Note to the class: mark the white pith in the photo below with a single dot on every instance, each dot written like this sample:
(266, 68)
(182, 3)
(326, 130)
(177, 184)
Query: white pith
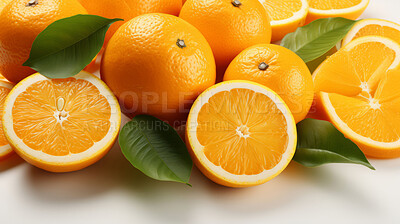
(333, 12)
(372, 102)
(299, 15)
(97, 148)
(5, 149)
(219, 171)
(365, 22)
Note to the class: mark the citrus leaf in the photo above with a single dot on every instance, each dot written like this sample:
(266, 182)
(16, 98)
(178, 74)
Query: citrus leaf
(315, 39)
(319, 142)
(68, 45)
(155, 148)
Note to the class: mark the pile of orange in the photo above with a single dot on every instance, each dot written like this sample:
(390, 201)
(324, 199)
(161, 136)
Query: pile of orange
(165, 59)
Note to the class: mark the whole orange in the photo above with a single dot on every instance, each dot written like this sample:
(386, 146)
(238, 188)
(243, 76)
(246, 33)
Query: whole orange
(21, 22)
(128, 9)
(230, 26)
(158, 64)
(279, 69)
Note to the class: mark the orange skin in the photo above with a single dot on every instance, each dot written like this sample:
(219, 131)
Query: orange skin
(129, 9)
(150, 74)
(287, 75)
(20, 24)
(228, 29)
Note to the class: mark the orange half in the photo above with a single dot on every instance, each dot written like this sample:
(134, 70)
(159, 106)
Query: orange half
(61, 124)
(374, 27)
(357, 88)
(240, 134)
(350, 9)
(5, 148)
(286, 16)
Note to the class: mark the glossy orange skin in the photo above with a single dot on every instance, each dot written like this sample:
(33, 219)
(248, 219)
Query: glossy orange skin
(20, 24)
(227, 28)
(129, 9)
(287, 75)
(150, 74)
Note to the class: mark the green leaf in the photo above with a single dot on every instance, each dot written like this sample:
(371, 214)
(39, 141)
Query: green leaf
(314, 64)
(68, 45)
(315, 39)
(319, 142)
(155, 148)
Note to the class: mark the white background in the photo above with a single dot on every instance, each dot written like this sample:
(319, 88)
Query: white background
(112, 191)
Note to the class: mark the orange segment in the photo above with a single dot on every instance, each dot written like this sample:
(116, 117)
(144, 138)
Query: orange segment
(358, 91)
(350, 9)
(240, 133)
(286, 16)
(374, 27)
(61, 124)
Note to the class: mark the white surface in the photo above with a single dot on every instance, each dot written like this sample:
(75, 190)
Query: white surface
(111, 191)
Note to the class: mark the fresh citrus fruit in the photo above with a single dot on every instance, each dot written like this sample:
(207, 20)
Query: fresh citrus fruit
(5, 148)
(374, 27)
(128, 9)
(240, 134)
(230, 26)
(350, 9)
(286, 16)
(279, 69)
(21, 22)
(158, 64)
(61, 125)
(358, 90)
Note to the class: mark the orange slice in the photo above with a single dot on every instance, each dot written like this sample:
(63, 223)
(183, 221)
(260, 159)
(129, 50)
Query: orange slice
(5, 148)
(358, 90)
(374, 27)
(350, 9)
(240, 134)
(61, 125)
(286, 16)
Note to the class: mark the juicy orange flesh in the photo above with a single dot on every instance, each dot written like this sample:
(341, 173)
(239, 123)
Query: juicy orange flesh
(378, 30)
(358, 84)
(279, 10)
(61, 116)
(242, 131)
(333, 4)
(3, 94)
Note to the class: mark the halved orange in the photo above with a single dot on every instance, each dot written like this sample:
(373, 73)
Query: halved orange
(61, 125)
(286, 16)
(357, 88)
(350, 9)
(5, 148)
(374, 27)
(240, 134)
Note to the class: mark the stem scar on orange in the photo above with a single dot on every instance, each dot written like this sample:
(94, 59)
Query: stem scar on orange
(229, 26)
(279, 69)
(129, 9)
(158, 64)
(21, 22)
